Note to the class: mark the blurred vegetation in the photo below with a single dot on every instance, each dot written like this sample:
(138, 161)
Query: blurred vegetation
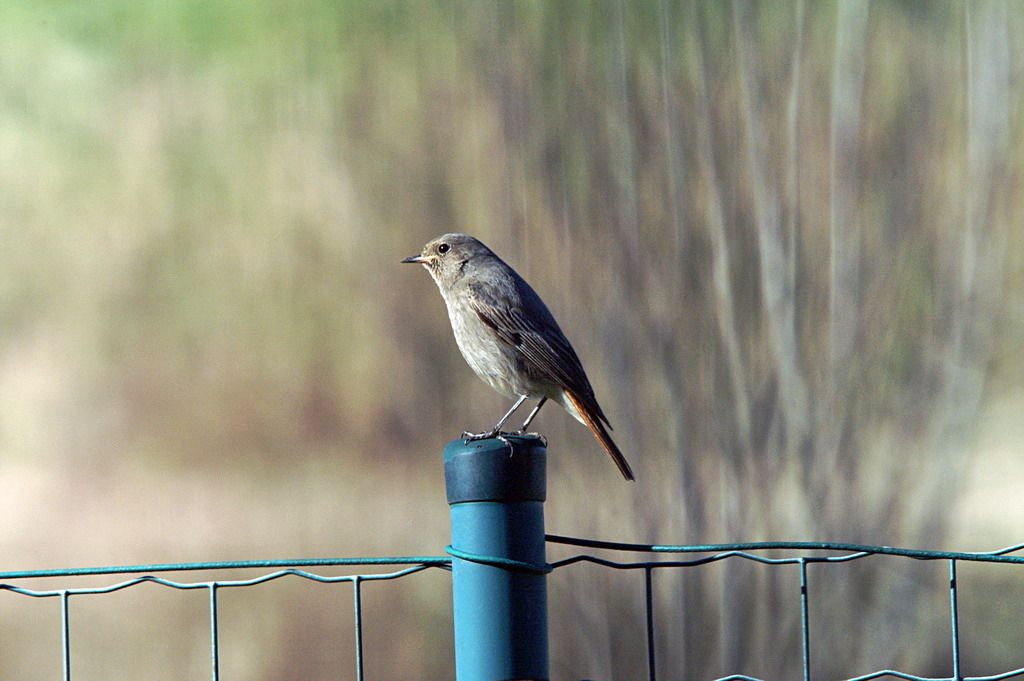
(784, 238)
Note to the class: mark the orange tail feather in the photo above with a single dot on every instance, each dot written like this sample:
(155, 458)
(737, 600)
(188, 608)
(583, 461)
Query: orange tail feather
(596, 427)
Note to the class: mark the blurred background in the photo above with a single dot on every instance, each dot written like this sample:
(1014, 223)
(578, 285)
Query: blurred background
(785, 239)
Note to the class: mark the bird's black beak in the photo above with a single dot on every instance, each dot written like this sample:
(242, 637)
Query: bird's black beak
(418, 259)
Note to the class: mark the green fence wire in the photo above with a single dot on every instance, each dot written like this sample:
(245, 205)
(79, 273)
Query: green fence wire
(807, 554)
(287, 568)
(747, 551)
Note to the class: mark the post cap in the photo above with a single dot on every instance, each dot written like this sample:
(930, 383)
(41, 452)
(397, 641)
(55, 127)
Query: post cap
(509, 469)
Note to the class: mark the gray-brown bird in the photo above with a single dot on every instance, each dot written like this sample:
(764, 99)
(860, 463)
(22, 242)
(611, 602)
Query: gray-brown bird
(509, 338)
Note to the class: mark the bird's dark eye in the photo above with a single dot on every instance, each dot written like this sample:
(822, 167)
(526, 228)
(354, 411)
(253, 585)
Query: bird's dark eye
(443, 248)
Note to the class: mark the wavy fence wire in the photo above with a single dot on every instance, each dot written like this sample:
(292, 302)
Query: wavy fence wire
(807, 554)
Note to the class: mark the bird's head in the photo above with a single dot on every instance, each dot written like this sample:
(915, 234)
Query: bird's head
(446, 256)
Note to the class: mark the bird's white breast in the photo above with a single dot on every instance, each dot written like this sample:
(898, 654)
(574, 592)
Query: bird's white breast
(498, 364)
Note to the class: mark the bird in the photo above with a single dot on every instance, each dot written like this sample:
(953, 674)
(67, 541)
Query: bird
(510, 339)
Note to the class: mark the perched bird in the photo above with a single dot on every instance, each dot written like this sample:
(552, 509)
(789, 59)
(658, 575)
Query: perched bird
(509, 337)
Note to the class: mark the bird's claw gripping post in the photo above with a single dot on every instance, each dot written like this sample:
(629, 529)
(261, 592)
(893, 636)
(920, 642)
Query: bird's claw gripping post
(473, 437)
(468, 437)
(502, 435)
(523, 433)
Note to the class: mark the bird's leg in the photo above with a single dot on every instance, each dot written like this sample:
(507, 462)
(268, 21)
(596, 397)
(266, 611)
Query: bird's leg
(529, 419)
(469, 437)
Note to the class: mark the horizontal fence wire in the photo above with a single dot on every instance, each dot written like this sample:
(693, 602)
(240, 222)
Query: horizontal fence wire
(432, 561)
(807, 554)
(748, 551)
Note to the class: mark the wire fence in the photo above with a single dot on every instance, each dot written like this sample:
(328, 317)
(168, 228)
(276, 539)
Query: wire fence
(806, 555)
(282, 569)
(748, 551)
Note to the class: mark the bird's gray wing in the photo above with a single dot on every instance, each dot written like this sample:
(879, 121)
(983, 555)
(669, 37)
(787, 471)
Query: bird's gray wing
(536, 335)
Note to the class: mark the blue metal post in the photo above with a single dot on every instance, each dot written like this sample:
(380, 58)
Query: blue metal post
(496, 490)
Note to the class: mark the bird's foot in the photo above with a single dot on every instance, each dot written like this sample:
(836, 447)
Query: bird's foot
(473, 437)
(523, 433)
(500, 435)
(468, 437)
